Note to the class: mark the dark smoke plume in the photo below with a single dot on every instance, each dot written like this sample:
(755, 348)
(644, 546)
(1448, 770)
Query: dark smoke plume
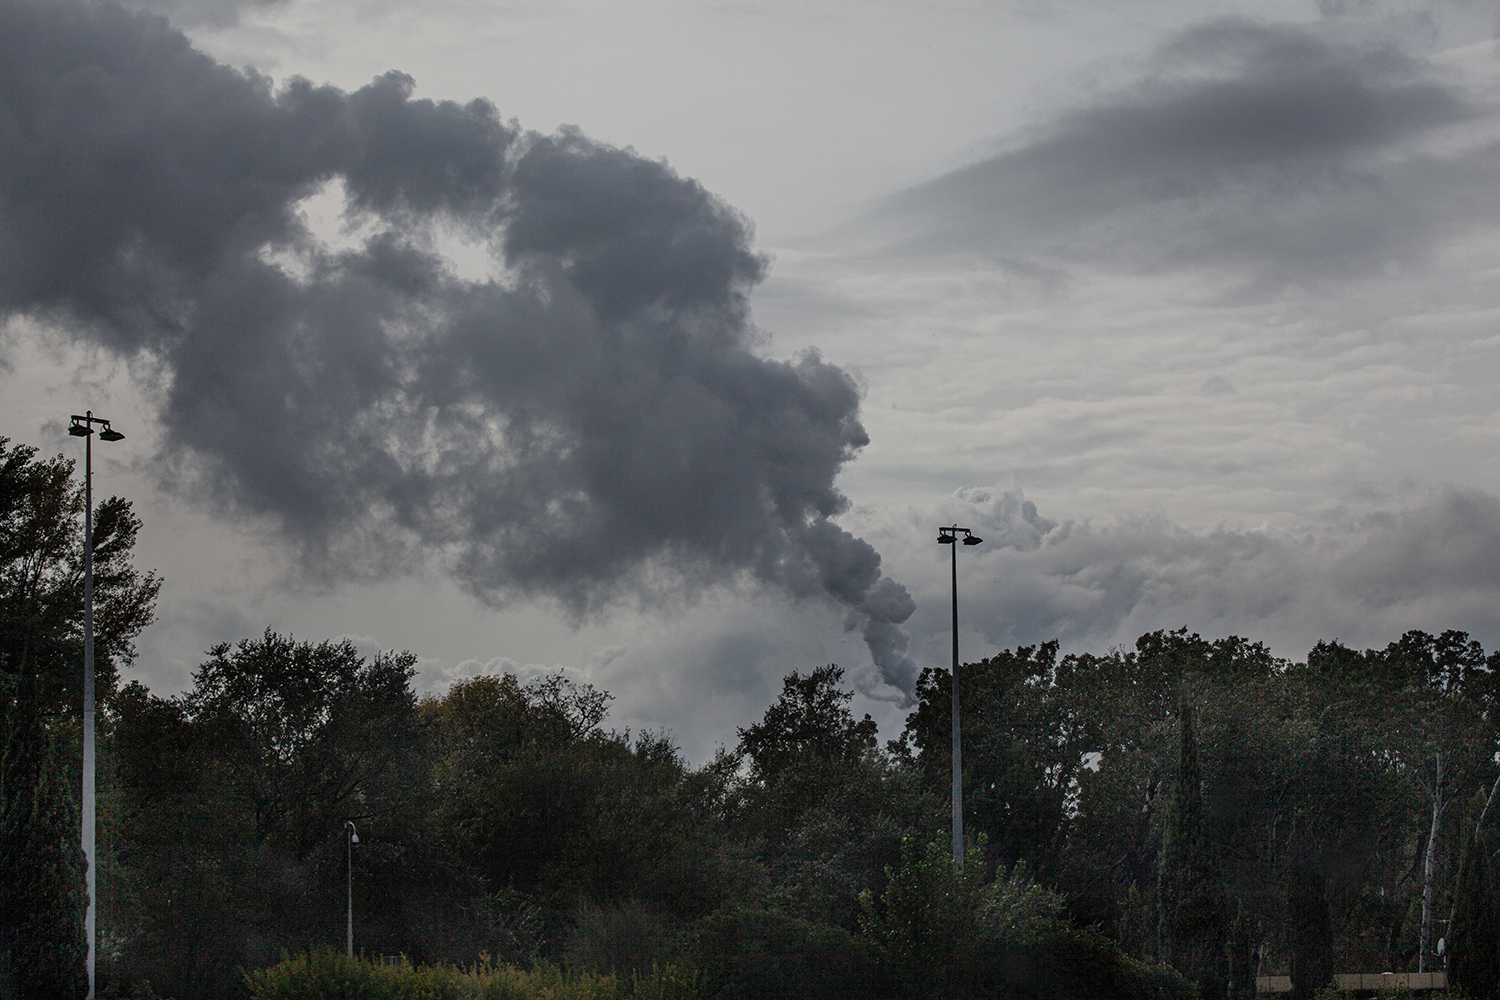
(594, 420)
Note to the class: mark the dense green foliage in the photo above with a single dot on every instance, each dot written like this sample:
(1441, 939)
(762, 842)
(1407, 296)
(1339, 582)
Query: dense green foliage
(42, 892)
(1157, 822)
(41, 583)
(42, 896)
(1331, 796)
(1193, 803)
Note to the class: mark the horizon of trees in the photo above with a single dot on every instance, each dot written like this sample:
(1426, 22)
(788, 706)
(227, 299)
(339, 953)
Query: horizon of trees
(1180, 815)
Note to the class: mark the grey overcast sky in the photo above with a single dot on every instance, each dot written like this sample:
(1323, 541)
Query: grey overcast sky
(653, 341)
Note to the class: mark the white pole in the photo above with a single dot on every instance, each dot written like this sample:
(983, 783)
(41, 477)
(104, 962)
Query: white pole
(350, 839)
(88, 688)
(958, 764)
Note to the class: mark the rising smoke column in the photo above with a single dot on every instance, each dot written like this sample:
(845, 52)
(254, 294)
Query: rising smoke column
(593, 422)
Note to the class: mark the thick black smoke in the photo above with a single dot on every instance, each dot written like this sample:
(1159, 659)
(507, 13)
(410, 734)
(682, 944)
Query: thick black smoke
(595, 420)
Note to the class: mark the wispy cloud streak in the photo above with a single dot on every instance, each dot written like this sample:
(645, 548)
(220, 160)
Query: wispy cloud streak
(1270, 153)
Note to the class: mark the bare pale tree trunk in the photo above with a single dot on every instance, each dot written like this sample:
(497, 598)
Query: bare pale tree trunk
(1429, 867)
(1479, 827)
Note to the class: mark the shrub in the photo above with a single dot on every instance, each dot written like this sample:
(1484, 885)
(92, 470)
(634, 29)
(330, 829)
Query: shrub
(324, 974)
(945, 933)
(750, 954)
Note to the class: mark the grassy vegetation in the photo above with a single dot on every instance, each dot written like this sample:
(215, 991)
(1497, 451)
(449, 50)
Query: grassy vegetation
(325, 974)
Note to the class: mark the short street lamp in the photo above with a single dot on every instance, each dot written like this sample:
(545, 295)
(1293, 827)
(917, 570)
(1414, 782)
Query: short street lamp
(949, 536)
(84, 427)
(351, 840)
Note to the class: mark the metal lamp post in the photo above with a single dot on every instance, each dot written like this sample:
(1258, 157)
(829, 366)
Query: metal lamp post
(84, 427)
(949, 536)
(350, 841)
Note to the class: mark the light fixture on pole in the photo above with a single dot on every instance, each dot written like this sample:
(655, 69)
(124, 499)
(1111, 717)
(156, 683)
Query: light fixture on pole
(84, 427)
(350, 841)
(949, 536)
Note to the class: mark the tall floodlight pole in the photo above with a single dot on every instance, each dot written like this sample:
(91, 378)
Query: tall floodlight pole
(84, 427)
(350, 841)
(949, 536)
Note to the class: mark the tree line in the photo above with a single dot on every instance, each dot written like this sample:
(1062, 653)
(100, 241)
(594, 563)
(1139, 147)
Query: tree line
(1181, 815)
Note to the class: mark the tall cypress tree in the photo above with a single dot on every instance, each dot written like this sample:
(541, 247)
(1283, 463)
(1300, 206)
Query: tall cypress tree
(1240, 954)
(1192, 920)
(1474, 940)
(1310, 941)
(42, 893)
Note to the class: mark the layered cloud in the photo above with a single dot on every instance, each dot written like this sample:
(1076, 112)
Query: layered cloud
(592, 419)
(1433, 565)
(1273, 306)
(1276, 154)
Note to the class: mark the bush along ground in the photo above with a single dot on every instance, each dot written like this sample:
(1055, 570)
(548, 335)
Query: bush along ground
(324, 974)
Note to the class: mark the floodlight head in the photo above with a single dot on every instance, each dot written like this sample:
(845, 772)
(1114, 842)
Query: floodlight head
(110, 434)
(945, 539)
(80, 430)
(972, 539)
